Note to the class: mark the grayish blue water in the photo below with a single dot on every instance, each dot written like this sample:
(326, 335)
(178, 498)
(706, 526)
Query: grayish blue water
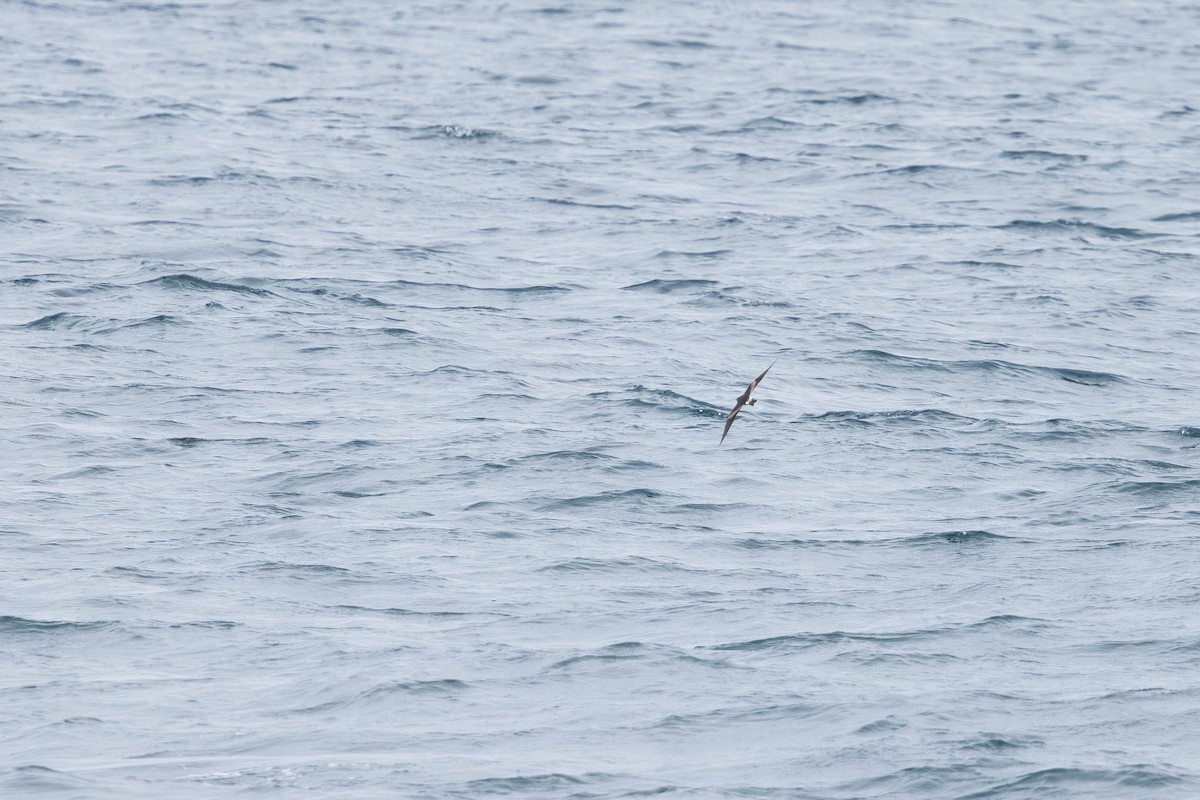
(364, 364)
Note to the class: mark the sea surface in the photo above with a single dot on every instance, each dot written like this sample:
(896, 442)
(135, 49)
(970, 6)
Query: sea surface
(363, 368)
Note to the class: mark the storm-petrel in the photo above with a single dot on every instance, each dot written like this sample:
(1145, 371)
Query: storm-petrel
(744, 400)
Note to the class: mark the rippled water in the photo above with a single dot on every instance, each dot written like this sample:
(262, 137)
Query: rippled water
(365, 366)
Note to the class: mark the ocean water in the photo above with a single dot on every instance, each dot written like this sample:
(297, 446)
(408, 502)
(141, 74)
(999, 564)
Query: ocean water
(364, 367)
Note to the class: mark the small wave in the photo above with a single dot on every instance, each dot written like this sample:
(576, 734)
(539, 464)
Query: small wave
(645, 397)
(157, 321)
(458, 132)
(621, 651)
(974, 537)
(569, 455)
(83, 472)
(563, 201)
(924, 416)
(186, 281)
(1075, 227)
(280, 566)
(538, 289)
(1182, 216)
(1159, 488)
(59, 321)
(36, 778)
(603, 498)
(1080, 376)
(551, 784)
(1072, 781)
(661, 286)
(636, 564)
(856, 99)
(382, 691)
(691, 253)
(17, 625)
(1000, 743)
(808, 640)
(690, 44)
(1043, 155)
(403, 612)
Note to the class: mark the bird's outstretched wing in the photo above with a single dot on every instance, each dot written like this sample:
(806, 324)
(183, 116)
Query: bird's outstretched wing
(729, 421)
(754, 383)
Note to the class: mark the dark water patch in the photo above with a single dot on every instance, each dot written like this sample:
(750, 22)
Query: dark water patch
(663, 286)
(1084, 377)
(165, 223)
(207, 624)
(1159, 489)
(852, 99)
(199, 441)
(1180, 216)
(1182, 111)
(970, 537)
(161, 116)
(185, 180)
(1075, 227)
(1043, 155)
(194, 283)
(687, 44)
(536, 290)
(713, 507)
(408, 612)
(918, 169)
(562, 201)
(299, 569)
(417, 687)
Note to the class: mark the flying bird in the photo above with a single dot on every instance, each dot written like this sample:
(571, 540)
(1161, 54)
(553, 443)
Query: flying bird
(744, 400)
